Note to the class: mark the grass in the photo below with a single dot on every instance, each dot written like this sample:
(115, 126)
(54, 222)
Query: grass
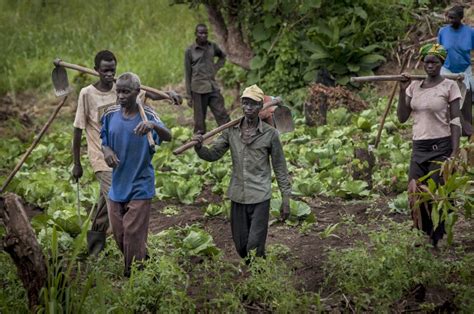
(144, 35)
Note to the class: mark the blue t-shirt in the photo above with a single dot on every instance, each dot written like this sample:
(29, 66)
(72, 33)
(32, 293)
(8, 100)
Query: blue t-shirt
(459, 43)
(134, 177)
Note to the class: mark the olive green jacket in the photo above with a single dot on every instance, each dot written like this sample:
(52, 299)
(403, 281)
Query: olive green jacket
(251, 171)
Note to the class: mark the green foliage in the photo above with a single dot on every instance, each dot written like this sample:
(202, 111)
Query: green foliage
(270, 283)
(329, 231)
(13, 297)
(57, 295)
(142, 34)
(342, 47)
(160, 286)
(400, 204)
(463, 283)
(214, 210)
(293, 39)
(299, 212)
(173, 186)
(448, 200)
(377, 273)
(199, 242)
(188, 241)
(217, 282)
(169, 211)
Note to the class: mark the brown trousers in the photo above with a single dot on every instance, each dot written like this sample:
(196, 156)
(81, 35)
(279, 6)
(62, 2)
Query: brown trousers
(129, 222)
(100, 222)
(200, 103)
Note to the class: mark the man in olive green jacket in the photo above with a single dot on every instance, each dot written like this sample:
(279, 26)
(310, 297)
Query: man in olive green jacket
(252, 143)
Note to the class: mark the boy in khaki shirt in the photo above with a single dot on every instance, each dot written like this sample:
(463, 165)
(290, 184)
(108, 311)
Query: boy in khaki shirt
(91, 98)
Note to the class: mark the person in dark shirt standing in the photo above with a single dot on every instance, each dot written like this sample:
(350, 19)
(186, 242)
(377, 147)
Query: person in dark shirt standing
(252, 144)
(201, 87)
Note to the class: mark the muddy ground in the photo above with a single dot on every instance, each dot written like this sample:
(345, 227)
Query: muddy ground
(308, 251)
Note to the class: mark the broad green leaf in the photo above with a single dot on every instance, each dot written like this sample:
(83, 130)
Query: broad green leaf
(370, 48)
(200, 242)
(343, 80)
(400, 204)
(213, 210)
(306, 5)
(299, 209)
(372, 59)
(363, 124)
(360, 12)
(258, 62)
(270, 5)
(319, 55)
(270, 20)
(260, 33)
(309, 76)
(353, 67)
(355, 188)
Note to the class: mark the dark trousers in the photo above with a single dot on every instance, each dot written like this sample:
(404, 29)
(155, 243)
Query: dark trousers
(249, 223)
(100, 222)
(129, 222)
(425, 157)
(215, 101)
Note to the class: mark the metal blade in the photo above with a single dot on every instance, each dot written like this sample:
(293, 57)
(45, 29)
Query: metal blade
(283, 119)
(60, 81)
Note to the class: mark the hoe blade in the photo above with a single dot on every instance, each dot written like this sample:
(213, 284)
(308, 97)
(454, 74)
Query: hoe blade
(60, 81)
(283, 119)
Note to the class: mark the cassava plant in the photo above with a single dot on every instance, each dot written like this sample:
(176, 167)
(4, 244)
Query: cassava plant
(453, 198)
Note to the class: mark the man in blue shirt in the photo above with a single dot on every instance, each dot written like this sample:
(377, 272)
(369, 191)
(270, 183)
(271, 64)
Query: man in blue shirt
(458, 40)
(127, 151)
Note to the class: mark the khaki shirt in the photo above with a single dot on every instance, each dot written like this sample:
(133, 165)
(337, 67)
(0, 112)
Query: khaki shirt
(87, 118)
(200, 68)
(251, 172)
(90, 104)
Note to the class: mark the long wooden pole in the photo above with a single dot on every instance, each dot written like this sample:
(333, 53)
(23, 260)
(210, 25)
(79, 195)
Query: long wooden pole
(221, 128)
(33, 145)
(379, 78)
(59, 62)
(389, 104)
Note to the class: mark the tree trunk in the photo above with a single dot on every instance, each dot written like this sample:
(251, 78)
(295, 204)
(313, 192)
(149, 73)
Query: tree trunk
(310, 113)
(21, 244)
(367, 159)
(229, 32)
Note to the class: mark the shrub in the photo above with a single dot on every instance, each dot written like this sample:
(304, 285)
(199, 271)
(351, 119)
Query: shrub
(377, 273)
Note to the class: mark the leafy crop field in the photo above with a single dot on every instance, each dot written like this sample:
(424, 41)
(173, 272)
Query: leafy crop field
(345, 246)
(348, 245)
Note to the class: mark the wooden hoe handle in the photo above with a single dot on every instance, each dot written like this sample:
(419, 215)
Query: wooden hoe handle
(221, 128)
(378, 78)
(149, 135)
(33, 145)
(59, 62)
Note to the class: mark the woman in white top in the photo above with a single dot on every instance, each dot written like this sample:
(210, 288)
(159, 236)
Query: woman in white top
(433, 103)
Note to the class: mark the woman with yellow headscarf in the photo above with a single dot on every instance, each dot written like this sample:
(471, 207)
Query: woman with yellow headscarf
(433, 103)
